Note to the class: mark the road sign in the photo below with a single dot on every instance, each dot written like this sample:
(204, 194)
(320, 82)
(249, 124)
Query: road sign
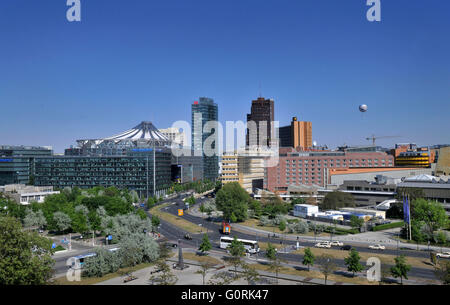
(109, 237)
(53, 246)
(180, 212)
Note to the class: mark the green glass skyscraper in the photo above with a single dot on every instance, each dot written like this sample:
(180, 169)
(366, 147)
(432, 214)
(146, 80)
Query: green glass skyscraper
(205, 135)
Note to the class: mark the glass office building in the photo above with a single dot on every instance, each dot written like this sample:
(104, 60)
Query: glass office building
(204, 111)
(17, 163)
(146, 171)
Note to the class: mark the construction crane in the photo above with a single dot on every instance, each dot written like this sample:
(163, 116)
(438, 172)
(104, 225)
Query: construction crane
(373, 138)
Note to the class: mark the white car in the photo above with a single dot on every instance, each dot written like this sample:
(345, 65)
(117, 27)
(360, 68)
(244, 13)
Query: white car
(323, 245)
(377, 247)
(443, 255)
(336, 243)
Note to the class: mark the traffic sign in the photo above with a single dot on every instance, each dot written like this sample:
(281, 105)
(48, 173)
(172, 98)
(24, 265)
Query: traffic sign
(53, 246)
(109, 237)
(180, 212)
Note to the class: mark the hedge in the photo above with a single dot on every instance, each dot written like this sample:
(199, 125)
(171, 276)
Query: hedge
(388, 226)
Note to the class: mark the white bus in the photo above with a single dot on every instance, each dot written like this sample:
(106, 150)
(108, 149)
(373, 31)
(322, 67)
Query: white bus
(250, 246)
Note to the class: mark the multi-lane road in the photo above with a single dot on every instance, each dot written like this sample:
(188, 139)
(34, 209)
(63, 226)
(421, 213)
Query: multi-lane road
(173, 234)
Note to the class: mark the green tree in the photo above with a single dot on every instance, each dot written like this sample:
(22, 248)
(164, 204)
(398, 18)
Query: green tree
(155, 221)
(62, 221)
(25, 257)
(233, 199)
(326, 265)
(271, 252)
(356, 222)
(282, 226)
(442, 272)
(250, 274)
(352, 262)
(431, 213)
(400, 269)
(237, 251)
(34, 219)
(203, 271)
(308, 258)
(205, 246)
(164, 276)
(336, 200)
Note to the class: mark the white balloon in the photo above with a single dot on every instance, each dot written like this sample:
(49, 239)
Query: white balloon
(363, 108)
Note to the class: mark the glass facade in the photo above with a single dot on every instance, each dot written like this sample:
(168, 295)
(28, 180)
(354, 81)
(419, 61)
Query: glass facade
(135, 171)
(17, 163)
(209, 112)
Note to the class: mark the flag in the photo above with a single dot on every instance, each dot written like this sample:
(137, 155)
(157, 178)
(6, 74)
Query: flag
(406, 211)
(404, 208)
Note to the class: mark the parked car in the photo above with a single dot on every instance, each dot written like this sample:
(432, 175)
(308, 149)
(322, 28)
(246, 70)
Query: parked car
(323, 245)
(443, 255)
(336, 243)
(377, 247)
(188, 237)
(346, 247)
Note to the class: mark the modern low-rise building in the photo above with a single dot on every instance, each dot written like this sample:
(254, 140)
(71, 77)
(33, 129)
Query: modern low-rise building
(26, 194)
(434, 188)
(305, 210)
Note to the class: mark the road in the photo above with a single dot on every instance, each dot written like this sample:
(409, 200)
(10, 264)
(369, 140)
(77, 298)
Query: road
(173, 233)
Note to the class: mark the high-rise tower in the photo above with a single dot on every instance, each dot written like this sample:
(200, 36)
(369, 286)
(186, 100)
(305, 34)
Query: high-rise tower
(262, 113)
(204, 125)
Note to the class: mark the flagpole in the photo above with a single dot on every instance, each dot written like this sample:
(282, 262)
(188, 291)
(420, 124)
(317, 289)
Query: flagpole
(409, 217)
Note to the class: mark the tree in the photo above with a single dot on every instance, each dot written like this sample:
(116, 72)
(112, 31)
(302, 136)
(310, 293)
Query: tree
(204, 267)
(232, 199)
(336, 200)
(326, 265)
(282, 226)
(155, 221)
(431, 213)
(102, 263)
(250, 274)
(34, 219)
(164, 276)
(400, 269)
(442, 272)
(256, 207)
(221, 278)
(308, 258)
(237, 250)
(275, 263)
(62, 221)
(352, 262)
(25, 257)
(205, 245)
(356, 222)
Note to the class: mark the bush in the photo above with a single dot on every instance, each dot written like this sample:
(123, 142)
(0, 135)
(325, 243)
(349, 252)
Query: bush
(388, 226)
(300, 227)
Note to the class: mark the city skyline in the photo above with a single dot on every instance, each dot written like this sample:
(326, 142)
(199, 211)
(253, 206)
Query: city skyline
(319, 61)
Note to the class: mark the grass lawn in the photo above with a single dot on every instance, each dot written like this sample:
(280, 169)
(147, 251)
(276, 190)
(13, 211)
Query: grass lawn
(175, 220)
(202, 258)
(317, 275)
(384, 258)
(254, 223)
(263, 245)
(94, 280)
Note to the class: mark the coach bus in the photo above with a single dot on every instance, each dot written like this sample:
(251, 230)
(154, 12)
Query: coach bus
(250, 246)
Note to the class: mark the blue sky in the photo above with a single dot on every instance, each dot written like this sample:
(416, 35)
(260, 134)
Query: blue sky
(134, 60)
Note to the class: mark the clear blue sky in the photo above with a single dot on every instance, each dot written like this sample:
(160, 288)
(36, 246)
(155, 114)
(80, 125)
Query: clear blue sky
(134, 60)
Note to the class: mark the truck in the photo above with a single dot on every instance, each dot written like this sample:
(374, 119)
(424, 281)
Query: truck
(226, 228)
